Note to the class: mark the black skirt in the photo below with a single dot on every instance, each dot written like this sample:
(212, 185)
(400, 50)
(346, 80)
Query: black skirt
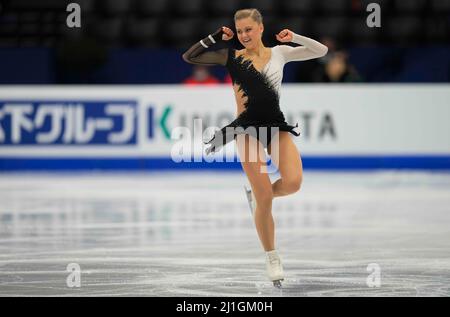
(262, 130)
(262, 117)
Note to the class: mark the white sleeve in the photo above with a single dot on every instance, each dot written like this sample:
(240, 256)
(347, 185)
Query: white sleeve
(311, 49)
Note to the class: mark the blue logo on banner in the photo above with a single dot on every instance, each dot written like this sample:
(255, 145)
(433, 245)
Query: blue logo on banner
(68, 122)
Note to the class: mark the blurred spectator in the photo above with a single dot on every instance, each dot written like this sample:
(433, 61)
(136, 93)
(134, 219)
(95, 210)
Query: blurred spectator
(338, 70)
(312, 70)
(333, 67)
(201, 76)
(227, 79)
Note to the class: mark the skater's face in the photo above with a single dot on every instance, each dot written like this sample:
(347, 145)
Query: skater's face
(249, 32)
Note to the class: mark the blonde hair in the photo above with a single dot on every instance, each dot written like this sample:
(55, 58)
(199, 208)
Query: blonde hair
(252, 13)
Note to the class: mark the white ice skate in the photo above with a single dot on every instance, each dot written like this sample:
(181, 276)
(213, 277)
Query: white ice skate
(251, 199)
(274, 268)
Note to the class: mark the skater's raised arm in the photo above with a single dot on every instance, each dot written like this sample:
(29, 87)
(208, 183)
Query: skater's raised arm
(311, 49)
(198, 53)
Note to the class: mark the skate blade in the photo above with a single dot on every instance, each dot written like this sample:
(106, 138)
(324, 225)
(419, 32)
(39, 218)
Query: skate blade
(249, 198)
(277, 284)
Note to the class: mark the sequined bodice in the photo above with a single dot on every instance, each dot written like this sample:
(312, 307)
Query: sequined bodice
(260, 89)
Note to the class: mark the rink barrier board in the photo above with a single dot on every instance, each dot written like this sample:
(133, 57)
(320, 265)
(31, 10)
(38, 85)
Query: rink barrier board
(129, 127)
(164, 163)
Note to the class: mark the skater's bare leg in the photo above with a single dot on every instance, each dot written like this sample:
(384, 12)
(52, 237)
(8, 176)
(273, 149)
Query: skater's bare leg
(286, 157)
(253, 161)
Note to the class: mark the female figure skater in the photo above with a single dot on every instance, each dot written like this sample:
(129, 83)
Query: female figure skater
(256, 72)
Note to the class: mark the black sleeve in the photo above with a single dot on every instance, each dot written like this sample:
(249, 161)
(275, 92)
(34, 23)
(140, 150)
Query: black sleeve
(198, 54)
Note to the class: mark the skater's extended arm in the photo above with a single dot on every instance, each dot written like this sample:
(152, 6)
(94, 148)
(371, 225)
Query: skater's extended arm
(199, 54)
(310, 48)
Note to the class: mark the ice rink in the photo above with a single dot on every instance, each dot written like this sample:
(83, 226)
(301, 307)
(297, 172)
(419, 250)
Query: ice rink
(191, 234)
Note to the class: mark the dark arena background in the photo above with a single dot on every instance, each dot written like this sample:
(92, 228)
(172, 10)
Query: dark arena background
(99, 196)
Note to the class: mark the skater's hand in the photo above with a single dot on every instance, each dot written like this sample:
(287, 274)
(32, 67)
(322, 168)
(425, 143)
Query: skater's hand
(285, 36)
(228, 34)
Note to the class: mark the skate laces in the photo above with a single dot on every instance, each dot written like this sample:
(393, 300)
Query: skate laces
(274, 260)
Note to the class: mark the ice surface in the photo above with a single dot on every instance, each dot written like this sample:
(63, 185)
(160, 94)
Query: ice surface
(190, 234)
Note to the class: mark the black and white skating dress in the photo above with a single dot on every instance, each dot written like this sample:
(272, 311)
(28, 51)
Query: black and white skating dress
(262, 116)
